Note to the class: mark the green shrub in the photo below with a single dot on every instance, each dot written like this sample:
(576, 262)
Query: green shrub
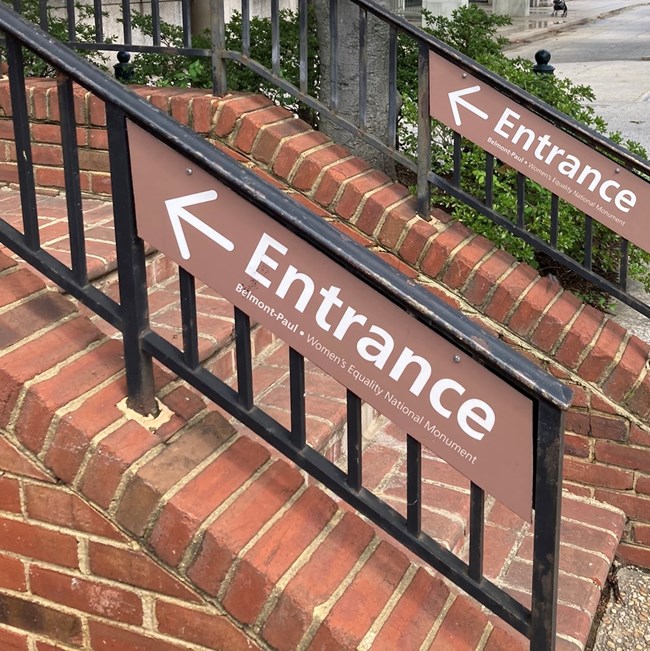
(471, 31)
(58, 28)
(474, 32)
(192, 71)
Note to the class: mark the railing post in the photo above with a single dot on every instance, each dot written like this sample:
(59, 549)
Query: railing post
(218, 30)
(131, 271)
(546, 545)
(424, 134)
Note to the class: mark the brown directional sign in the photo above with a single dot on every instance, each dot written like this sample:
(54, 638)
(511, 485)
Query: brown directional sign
(452, 404)
(554, 159)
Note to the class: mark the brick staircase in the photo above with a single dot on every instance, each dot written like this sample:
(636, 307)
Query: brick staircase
(372, 606)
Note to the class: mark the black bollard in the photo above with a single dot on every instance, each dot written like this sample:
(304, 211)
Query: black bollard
(542, 57)
(123, 69)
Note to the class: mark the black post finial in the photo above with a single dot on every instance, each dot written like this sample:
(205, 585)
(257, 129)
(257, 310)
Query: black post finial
(123, 69)
(542, 65)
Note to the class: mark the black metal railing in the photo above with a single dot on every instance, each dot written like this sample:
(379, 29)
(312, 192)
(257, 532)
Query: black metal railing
(326, 104)
(142, 344)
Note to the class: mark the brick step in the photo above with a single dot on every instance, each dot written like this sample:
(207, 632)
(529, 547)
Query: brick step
(448, 619)
(325, 398)
(590, 531)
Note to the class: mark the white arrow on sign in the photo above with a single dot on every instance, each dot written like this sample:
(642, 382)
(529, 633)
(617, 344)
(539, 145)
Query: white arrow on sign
(456, 99)
(176, 209)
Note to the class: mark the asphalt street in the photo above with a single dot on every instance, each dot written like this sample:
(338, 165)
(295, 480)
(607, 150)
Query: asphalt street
(606, 45)
(611, 53)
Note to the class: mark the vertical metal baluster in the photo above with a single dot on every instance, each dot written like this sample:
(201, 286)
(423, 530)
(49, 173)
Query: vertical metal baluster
(134, 307)
(187, 23)
(18, 6)
(334, 53)
(304, 46)
(72, 22)
(43, 19)
(297, 392)
(458, 160)
(126, 22)
(555, 222)
(489, 180)
(363, 68)
(155, 21)
(275, 37)
(413, 485)
(244, 358)
(355, 442)
(218, 31)
(392, 88)
(623, 269)
(71, 176)
(521, 199)
(549, 452)
(23, 142)
(476, 531)
(99, 21)
(187, 287)
(246, 27)
(424, 134)
(589, 242)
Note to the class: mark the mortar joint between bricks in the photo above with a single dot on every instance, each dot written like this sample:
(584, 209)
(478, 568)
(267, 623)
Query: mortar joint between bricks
(69, 408)
(487, 631)
(280, 513)
(436, 625)
(92, 449)
(344, 184)
(239, 122)
(387, 610)
(22, 301)
(520, 299)
(321, 611)
(296, 566)
(364, 199)
(590, 346)
(130, 474)
(45, 375)
(497, 283)
(407, 226)
(192, 550)
(323, 170)
(430, 242)
(543, 314)
(283, 141)
(566, 330)
(616, 358)
(452, 254)
(181, 483)
(301, 158)
(637, 383)
(476, 269)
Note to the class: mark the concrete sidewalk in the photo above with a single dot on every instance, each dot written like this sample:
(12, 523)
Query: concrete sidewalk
(540, 22)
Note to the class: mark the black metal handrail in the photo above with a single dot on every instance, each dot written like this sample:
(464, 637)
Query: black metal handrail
(421, 165)
(141, 344)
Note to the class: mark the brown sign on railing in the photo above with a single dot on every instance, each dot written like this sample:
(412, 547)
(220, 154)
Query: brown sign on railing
(549, 156)
(452, 404)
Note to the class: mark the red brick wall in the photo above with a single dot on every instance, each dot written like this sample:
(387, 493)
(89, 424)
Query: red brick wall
(607, 437)
(116, 535)
(70, 579)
